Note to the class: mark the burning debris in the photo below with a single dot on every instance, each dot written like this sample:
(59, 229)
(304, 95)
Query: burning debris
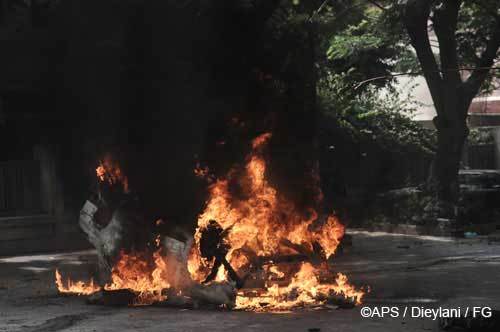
(78, 287)
(305, 289)
(214, 247)
(253, 249)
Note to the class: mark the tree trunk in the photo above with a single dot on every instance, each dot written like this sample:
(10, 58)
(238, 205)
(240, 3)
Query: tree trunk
(444, 176)
(451, 95)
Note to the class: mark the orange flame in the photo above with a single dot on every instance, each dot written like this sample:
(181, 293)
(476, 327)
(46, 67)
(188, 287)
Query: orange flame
(260, 222)
(77, 287)
(303, 290)
(200, 171)
(109, 171)
(131, 272)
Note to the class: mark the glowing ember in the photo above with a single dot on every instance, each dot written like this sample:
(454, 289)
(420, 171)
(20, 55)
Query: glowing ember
(201, 171)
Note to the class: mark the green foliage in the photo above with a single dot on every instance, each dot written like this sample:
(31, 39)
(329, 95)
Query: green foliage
(476, 22)
(372, 40)
(384, 118)
(371, 43)
(350, 46)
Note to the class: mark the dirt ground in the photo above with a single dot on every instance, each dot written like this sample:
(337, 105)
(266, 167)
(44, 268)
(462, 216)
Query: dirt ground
(402, 271)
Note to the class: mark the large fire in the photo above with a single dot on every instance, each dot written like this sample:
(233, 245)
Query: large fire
(261, 225)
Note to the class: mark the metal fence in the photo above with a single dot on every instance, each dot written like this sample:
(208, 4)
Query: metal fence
(481, 156)
(19, 187)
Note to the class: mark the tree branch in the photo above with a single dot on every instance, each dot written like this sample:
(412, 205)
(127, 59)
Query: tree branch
(373, 2)
(418, 73)
(318, 11)
(445, 24)
(487, 59)
(416, 16)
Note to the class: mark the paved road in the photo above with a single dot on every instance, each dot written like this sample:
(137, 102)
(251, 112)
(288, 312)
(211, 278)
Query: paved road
(402, 271)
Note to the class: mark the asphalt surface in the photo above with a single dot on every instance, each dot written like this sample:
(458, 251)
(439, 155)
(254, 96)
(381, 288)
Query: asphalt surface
(402, 271)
